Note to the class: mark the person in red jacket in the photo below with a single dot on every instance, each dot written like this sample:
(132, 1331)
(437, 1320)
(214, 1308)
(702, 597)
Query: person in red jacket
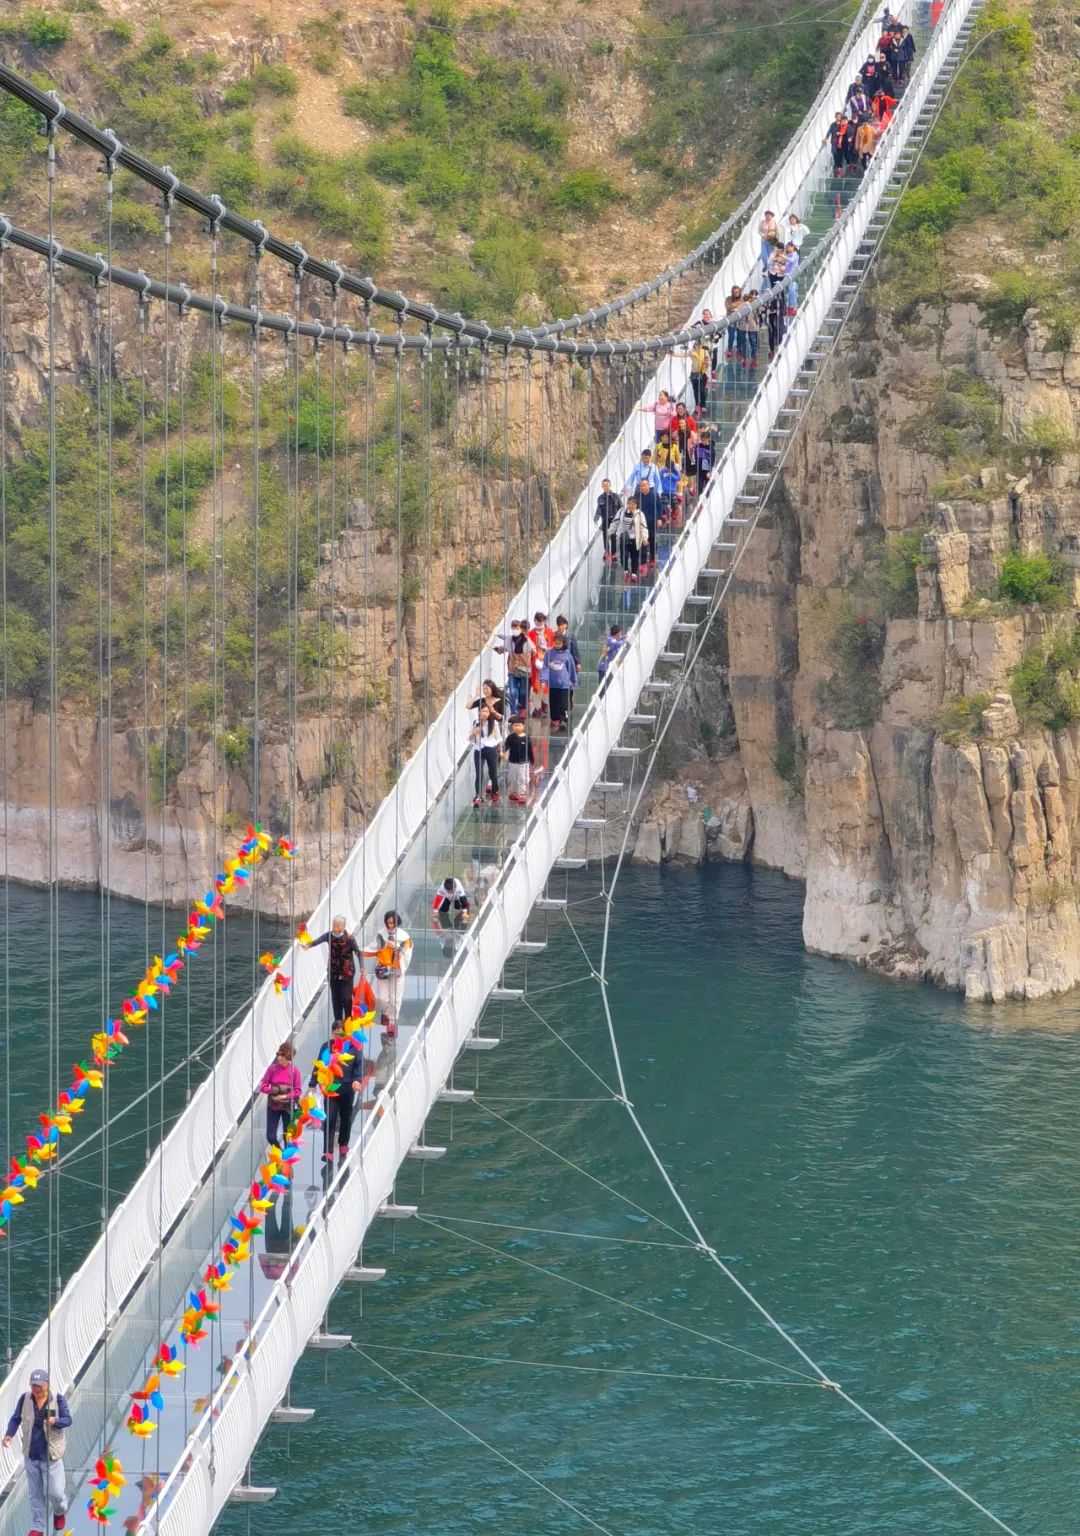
(883, 107)
(542, 637)
(683, 427)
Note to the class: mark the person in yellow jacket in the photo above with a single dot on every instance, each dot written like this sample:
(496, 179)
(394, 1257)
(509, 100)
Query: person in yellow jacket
(666, 454)
(700, 367)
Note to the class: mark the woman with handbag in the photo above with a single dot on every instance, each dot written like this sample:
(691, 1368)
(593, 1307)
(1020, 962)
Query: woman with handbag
(392, 955)
(282, 1087)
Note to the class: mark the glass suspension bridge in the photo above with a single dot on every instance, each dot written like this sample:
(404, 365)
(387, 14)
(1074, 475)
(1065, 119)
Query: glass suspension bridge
(465, 430)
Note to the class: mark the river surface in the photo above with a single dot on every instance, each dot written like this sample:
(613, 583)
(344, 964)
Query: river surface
(892, 1172)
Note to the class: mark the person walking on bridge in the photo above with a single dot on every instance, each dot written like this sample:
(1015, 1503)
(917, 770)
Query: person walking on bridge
(520, 759)
(649, 503)
(735, 300)
(487, 739)
(769, 231)
(281, 1085)
(883, 106)
(42, 1422)
(561, 676)
(699, 372)
(392, 955)
(795, 231)
(661, 412)
(841, 140)
(865, 141)
(608, 504)
(644, 472)
(340, 965)
(633, 535)
(340, 1095)
(519, 657)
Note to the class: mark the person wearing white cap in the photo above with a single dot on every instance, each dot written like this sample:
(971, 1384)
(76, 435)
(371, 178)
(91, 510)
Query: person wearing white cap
(43, 1422)
(341, 965)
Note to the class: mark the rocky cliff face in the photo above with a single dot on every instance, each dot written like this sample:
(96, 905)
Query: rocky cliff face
(938, 834)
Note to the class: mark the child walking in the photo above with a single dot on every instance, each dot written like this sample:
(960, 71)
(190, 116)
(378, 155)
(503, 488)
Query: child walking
(560, 674)
(520, 759)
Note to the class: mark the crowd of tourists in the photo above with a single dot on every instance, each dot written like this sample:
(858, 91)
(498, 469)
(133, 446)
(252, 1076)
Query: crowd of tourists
(855, 132)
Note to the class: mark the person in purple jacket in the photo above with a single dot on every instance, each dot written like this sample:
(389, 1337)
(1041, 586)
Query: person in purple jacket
(561, 675)
(282, 1087)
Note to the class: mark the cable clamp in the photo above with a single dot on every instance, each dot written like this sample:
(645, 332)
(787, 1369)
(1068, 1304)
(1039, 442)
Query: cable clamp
(256, 324)
(264, 237)
(620, 1098)
(220, 211)
(185, 302)
(56, 250)
(61, 111)
(710, 1253)
(300, 267)
(115, 150)
(829, 1386)
(6, 227)
(170, 191)
(147, 284)
(102, 270)
(339, 272)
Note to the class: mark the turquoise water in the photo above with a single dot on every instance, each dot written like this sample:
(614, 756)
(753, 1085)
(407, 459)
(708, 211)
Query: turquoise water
(148, 1085)
(893, 1172)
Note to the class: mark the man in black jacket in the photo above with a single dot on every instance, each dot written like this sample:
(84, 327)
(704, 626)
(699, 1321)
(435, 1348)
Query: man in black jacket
(339, 1090)
(608, 505)
(341, 966)
(649, 502)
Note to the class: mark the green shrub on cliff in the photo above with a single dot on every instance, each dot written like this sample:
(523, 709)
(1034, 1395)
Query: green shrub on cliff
(989, 156)
(1034, 580)
(959, 719)
(1046, 684)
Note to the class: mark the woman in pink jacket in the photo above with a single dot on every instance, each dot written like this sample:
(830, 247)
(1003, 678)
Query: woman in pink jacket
(282, 1087)
(662, 412)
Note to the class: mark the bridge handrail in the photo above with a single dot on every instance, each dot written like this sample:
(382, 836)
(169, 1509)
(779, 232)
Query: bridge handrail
(220, 215)
(257, 1378)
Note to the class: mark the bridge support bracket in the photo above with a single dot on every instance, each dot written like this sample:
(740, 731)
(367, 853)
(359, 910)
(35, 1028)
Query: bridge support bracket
(247, 1493)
